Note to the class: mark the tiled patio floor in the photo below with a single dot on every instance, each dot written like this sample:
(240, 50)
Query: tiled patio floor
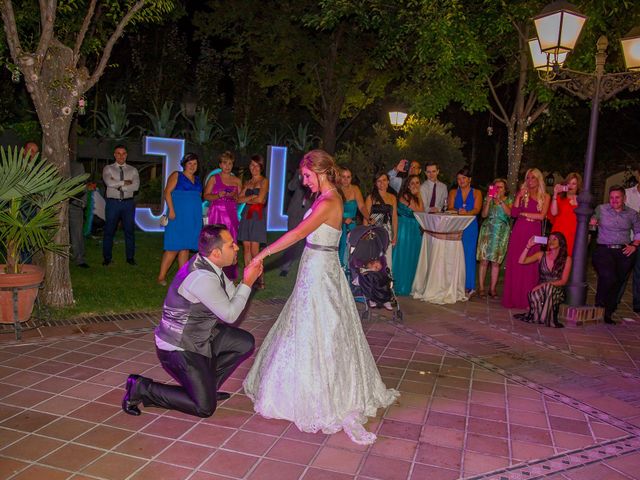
(482, 397)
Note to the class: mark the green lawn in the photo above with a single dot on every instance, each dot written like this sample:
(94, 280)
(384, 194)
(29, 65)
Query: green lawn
(121, 287)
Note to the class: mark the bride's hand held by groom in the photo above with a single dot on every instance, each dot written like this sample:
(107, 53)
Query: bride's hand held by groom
(252, 272)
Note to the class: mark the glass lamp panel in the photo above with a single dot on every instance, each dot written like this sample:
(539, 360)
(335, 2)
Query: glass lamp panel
(397, 119)
(631, 50)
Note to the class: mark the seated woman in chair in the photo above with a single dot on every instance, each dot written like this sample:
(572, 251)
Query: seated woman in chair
(554, 268)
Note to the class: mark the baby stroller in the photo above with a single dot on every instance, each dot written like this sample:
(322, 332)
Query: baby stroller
(367, 245)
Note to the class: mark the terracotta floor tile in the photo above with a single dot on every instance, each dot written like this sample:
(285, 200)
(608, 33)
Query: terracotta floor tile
(72, 457)
(250, 442)
(580, 427)
(487, 413)
(273, 470)
(229, 463)
(31, 447)
(167, 427)
(595, 472)
(24, 378)
(103, 436)
(88, 391)
(157, 470)
(7, 436)
(95, 412)
(487, 427)
(446, 420)
(404, 430)
(524, 451)
(475, 463)
(55, 384)
(294, 434)
(320, 474)
(424, 472)
(394, 447)
(442, 436)
(439, 456)
(487, 445)
(114, 466)
(344, 461)
(59, 405)
(226, 417)
(129, 422)
(265, 425)
(144, 446)
(185, 454)
(208, 435)
(627, 464)
(37, 472)
(570, 441)
(28, 421)
(385, 468)
(293, 451)
(342, 441)
(207, 476)
(448, 406)
(530, 434)
(26, 398)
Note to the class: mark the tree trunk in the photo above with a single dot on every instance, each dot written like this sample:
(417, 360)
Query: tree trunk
(329, 135)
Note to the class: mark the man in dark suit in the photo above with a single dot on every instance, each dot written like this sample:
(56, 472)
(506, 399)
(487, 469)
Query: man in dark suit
(193, 341)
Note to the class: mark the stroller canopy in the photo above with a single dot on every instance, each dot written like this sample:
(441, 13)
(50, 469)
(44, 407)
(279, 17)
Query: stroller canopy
(367, 242)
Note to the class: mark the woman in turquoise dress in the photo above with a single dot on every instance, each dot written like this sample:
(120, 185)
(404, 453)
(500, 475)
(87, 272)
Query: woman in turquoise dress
(467, 201)
(494, 234)
(407, 251)
(353, 202)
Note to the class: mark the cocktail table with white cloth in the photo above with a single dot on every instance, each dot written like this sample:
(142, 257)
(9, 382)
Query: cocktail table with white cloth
(441, 273)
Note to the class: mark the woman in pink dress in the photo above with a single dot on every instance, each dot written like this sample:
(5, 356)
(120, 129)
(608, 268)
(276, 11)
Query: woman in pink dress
(529, 209)
(222, 191)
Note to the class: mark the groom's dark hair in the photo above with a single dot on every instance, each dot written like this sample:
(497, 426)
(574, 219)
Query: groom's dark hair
(210, 238)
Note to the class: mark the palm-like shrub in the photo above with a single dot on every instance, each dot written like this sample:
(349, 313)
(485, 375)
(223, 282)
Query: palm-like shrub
(163, 121)
(31, 193)
(114, 124)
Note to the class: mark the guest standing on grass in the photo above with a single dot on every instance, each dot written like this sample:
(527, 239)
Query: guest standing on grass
(467, 201)
(529, 209)
(122, 181)
(494, 234)
(253, 226)
(221, 191)
(183, 196)
(407, 250)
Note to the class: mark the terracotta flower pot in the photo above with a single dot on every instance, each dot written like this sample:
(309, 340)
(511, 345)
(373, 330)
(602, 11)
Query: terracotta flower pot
(31, 276)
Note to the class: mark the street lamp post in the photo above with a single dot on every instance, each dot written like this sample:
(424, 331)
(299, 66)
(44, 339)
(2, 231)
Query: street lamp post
(558, 28)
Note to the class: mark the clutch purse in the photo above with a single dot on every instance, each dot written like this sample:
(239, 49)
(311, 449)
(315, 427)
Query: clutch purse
(164, 220)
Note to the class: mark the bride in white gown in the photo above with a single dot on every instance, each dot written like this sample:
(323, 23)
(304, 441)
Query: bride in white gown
(315, 367)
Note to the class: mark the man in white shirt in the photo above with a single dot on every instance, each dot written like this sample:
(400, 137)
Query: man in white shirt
(632, 200)
(398, 173)
(433, 192)
(193, 341)
(122, 182)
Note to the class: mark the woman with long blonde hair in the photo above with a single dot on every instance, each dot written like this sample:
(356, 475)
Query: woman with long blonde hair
(529, 209)
(315, 367)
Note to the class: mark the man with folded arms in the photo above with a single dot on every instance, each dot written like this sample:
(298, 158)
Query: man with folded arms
(194, 342)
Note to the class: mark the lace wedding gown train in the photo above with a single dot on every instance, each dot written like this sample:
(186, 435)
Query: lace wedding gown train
(315, 367)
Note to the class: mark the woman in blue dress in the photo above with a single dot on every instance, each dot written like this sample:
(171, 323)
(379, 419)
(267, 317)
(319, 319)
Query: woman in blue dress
(353, 201)
(407, 251)
(467, 201)
(183, 195)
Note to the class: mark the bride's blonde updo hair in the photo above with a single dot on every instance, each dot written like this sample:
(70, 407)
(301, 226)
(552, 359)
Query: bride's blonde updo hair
(320, 163)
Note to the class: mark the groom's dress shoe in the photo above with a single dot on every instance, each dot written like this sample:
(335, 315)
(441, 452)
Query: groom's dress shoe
(131, 397)
(222, 396)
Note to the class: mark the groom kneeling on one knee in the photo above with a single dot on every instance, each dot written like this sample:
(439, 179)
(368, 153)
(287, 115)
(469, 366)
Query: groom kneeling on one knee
(193, 341)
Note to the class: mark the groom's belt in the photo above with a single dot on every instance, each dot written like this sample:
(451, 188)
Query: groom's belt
(322, 248)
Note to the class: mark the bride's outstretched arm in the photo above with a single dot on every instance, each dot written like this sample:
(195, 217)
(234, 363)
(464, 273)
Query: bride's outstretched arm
(319, 215)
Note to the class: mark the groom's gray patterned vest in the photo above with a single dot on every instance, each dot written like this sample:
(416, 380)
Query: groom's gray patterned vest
(187, 325)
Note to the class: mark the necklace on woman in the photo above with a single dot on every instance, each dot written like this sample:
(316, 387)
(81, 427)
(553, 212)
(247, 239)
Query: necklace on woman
(329, 190)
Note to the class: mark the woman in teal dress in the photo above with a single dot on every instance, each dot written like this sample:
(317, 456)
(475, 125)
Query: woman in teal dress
(494, 234)
(353, 201)
(407, 250)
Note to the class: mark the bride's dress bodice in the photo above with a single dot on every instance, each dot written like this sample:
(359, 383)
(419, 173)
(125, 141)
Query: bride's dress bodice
(325, 235)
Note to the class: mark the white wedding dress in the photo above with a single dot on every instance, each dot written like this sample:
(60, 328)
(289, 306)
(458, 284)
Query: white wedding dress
(315, 367)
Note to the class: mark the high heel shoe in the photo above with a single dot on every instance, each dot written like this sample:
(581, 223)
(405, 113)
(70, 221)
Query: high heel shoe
(482, 293)
(493, 294)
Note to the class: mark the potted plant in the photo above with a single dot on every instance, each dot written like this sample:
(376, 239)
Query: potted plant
(31, 194)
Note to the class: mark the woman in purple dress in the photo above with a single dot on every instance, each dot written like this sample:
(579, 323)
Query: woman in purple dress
(529, 209)
(222, 191)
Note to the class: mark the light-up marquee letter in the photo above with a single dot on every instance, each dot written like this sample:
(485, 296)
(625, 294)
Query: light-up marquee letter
(172, 149)
(277, 166)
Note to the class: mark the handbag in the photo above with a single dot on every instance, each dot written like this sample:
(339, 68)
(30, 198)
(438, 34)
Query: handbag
(164, 220)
